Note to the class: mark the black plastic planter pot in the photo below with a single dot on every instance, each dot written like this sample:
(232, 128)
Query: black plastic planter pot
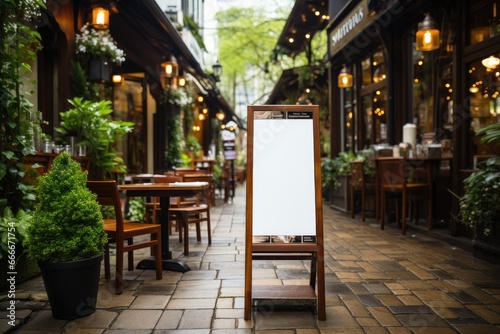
(72, 287)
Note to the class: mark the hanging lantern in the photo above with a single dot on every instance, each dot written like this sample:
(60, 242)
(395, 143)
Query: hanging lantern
(428, 35)
(100, 17)
(345, 78)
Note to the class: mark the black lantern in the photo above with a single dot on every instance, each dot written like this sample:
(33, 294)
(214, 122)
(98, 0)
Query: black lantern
(217, 68)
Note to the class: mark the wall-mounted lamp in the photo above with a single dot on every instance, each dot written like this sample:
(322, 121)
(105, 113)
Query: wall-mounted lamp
(428, 35)
(100, 17)
(220, 115)
(181, 81)
(217, 68)
(345, 78)
(491, 62)
(231, 126)
(171, 68)
(117, 79)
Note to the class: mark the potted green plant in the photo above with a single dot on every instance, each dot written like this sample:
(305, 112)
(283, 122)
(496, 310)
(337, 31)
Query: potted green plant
(335, 175)
(67, 239)
(480, 203)
(90, 122)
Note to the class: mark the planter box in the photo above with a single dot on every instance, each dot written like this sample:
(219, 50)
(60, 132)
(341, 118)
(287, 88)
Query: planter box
(341, 197)
(487, 247)
(99, 70)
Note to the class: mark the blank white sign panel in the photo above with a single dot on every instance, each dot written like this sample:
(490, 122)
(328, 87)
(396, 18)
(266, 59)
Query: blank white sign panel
(283, 174)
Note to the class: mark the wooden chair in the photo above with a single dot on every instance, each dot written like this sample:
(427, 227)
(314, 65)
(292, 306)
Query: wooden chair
(360, 185)
(120, 230)
(153, 208)
(203, 178)
(192, 214)
(394, 177)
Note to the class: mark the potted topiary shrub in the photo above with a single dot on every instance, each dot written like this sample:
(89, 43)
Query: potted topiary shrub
(67, 239)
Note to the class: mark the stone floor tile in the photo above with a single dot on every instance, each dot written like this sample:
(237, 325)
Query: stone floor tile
(410, 300)
(383, 316)
(427, 295)
(389, 300)
(223, 324)
(196, 319)
(475, 329)
(426, 320)
(137, 319)
(434, 330)
(225, 303)
(289, 319)
(398, 330)
(191, 303)
(150, 302)
(486, 313)
(109, 299)
(242, 323)
(481, 295)
(367, 322)
(338, 317)
(45, 320)
(228, 313)
(99, 319)
(356, 308)
(417, 285)
(169, 319)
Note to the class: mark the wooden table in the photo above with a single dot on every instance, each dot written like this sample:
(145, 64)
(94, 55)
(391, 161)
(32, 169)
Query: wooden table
(431, 166)
(164, 191)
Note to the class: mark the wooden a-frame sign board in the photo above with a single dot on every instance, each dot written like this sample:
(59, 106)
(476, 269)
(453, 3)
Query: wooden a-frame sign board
(284, 217)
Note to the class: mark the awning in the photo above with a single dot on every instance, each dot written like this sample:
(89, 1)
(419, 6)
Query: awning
(306, 19)
(147, 37)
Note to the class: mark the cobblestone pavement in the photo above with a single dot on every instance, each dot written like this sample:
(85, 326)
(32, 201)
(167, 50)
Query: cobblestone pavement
(376, 282)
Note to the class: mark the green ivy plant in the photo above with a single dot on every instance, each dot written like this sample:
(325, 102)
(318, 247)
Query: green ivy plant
(67, 222)
(332, 169)
(13, 232)
(19, 44)
(173, 153)
(136, 209)
(91, 123)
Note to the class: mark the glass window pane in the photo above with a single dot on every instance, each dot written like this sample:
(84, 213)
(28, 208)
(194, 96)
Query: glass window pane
(484, 18)
(484, 95)
(423, 104)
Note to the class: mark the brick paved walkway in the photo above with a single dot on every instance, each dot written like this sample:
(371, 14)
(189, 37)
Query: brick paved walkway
(376, 282)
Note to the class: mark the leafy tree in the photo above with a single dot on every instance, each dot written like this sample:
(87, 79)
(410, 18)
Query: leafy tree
(247, 39)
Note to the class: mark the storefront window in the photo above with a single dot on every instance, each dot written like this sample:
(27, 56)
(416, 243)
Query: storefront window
(373, 68)
(423, 104)
(128, 106)
(374, 99)
(375, 117)
(484, 20)
(484, 92)
(348, 98)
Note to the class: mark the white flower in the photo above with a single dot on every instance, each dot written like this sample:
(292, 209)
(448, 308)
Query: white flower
(98, 43)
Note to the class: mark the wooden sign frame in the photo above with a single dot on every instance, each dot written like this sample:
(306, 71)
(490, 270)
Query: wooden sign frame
(284, 200)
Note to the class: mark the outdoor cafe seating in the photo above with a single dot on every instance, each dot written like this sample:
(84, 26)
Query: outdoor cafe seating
(399, 179)
(120, 231)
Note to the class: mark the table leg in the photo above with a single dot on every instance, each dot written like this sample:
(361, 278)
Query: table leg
(167, 262)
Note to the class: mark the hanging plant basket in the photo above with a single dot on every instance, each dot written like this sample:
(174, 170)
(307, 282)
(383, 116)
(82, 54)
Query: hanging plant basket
(99, 70)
